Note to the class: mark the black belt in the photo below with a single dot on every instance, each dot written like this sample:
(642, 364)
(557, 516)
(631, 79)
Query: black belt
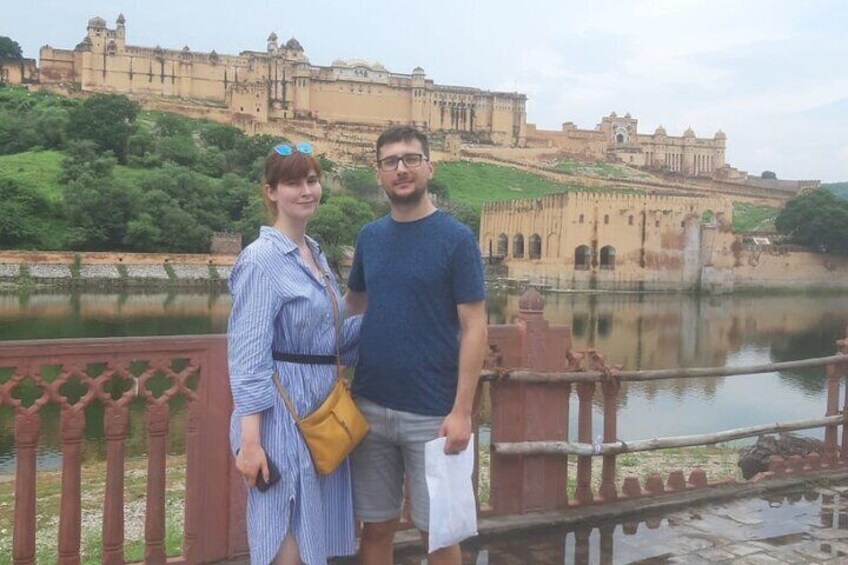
(304, 358)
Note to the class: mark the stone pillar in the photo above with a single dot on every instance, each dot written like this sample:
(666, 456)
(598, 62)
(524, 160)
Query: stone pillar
(528, 412)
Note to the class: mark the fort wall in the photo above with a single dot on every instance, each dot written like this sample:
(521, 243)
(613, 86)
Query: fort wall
(641, 242)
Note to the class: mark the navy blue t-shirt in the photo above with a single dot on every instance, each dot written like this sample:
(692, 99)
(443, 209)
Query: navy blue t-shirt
(415, 274)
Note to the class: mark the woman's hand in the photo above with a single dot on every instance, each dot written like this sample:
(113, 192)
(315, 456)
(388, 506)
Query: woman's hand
(251, 461)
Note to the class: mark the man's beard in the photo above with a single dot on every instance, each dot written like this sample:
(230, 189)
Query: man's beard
(413, 197)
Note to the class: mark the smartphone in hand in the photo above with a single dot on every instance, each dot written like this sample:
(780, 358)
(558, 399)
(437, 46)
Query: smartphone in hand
(273, 476)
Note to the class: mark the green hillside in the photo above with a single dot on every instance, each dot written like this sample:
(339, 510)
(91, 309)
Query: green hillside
(475, 184)
(750, 217)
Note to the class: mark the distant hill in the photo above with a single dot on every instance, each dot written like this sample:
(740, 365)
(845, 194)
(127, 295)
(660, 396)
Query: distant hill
(840, 189)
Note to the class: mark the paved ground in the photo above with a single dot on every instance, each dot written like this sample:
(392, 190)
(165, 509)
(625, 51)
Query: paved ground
(799, 526)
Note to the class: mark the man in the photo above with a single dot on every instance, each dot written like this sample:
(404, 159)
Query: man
(418, 276)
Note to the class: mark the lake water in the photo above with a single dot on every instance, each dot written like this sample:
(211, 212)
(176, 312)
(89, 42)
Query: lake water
(639, 331)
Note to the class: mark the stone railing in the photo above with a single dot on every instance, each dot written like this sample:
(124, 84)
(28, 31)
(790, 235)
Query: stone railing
(529, 448)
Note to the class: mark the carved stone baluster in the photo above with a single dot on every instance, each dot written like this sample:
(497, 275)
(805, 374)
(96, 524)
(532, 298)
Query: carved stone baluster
(72, 427)
(27, 429)
(585, 392)
(193, 515)
(115, 418)
(157, 443)
(610, 389)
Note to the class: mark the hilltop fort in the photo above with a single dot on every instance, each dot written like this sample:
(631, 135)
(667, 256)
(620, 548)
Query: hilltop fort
(346, 104)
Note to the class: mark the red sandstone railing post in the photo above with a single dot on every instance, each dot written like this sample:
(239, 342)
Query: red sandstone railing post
(72, 427)
(27, 429)
(529, 412)
(116, 418)
(610, 388)
(154, 520)
(585, 393)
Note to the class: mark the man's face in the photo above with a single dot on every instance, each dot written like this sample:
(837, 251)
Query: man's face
(405, 184)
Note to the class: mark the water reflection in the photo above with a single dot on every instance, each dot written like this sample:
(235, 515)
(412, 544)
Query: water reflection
(794, 526)
(638, 331)
(51, 316)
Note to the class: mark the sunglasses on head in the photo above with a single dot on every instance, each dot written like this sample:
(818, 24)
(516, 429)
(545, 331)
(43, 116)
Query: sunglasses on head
(285, 149)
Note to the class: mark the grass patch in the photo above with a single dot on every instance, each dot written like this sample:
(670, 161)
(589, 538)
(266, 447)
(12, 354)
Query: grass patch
(37, 171)
(477, 183)
(25, 281)
(213, 273)
(597, 170)
(751, 217)
(169, 270)
(123, 272)
(76, 267)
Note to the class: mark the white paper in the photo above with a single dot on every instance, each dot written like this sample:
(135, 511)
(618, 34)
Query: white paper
(453, 511)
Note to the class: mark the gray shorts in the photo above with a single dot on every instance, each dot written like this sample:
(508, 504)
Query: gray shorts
(394, 445)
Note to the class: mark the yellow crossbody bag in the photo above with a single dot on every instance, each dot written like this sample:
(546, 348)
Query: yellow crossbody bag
(333, 429)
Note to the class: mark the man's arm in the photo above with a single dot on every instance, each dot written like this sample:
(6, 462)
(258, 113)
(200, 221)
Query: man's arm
(473, 336)
(355, 302)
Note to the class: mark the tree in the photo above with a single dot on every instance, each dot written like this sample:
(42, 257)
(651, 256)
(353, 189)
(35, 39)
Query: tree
(818, 219)
(98, 208)
(337, 223)
(107, 120)
(21, 215)
(9, 48)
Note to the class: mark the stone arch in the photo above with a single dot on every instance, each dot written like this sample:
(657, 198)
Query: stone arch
(535, 250)
(503, 245)
(518, 246)
(608, 258)
(582, 258)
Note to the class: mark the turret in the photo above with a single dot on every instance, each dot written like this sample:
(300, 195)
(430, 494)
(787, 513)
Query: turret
(121, 32)
(272, 43)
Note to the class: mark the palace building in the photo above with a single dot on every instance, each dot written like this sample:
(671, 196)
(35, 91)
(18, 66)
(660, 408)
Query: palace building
(281, 84)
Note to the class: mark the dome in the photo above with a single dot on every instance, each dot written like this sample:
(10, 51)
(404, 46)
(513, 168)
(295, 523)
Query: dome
(689, 132)
(720, 135)
(186, 49)
(121, 20)
(97, 22)
(660, 131)
(418, 71)
(531, 301)
(272, 37)
(294, 45)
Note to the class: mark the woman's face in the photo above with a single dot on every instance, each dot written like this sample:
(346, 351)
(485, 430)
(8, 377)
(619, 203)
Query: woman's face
(296, 199)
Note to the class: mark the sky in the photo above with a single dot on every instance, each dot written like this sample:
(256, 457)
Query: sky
(771, 74)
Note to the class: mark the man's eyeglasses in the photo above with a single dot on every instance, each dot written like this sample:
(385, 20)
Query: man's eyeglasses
(410, 161)
(285, 149)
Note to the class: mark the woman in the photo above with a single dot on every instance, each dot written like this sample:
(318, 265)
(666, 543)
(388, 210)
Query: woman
(282, 321)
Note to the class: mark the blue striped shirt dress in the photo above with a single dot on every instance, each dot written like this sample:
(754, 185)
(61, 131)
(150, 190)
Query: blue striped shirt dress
(279, 305)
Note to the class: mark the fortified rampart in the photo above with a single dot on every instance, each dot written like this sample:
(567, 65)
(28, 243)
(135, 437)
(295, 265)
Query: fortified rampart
(641, 242)
(281, 84)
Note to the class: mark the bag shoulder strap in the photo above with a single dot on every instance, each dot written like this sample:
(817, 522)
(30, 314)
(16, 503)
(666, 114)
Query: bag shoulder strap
(276, 378)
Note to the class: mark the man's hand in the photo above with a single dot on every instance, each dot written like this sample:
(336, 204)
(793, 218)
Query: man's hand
(251, 461)
(457, 428)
